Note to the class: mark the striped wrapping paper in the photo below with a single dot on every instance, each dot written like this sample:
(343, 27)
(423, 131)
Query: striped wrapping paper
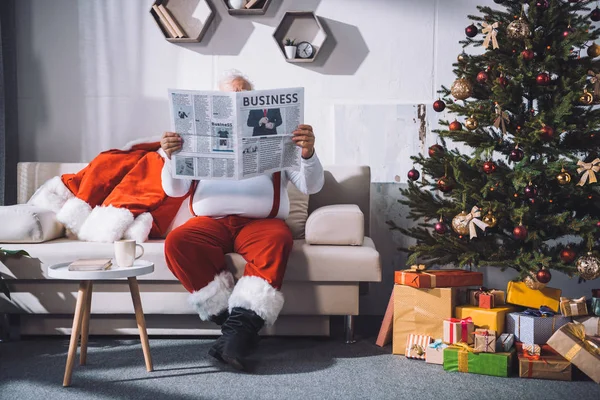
(416, 346)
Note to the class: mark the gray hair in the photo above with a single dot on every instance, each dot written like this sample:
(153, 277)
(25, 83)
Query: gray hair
(227, 77)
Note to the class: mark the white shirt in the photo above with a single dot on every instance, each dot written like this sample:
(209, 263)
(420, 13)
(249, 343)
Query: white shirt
(251, 197)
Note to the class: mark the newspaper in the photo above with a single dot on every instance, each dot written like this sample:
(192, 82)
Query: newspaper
(235, 135)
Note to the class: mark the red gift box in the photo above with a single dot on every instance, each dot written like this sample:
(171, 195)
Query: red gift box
(486, 300)
(418, 277)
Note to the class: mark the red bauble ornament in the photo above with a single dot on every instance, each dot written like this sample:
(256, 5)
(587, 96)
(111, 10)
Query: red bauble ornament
(598, 224)
(413, 174)
(503, 81)
(445, 184)
(543, 276)
(547, 133)
(520, 232)
(568, 255)
(436, 151)
(455, 126)
(482, 77)
(516, 155)
(595, 15)
(441, 228)
(542, 5)
(543, 79)
(527, 54)
(489, 167)
(471, 30)
(439, 105)
(530, 191)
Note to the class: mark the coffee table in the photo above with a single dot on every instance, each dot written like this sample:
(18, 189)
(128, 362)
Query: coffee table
(81, 319)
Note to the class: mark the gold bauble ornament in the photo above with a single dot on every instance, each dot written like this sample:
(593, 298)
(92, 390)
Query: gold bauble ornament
(462, 89)
(593, 51)
(460, 223)
(462, 57)
(518, 29)
(563, 178)
(532, 283)
(490, 219)
(471, 123)
(588, 267)
(586, 98)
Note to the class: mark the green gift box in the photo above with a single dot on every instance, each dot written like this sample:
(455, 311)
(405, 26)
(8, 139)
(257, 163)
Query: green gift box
(493, 364)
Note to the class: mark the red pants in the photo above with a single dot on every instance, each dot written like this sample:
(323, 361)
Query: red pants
(195, 251)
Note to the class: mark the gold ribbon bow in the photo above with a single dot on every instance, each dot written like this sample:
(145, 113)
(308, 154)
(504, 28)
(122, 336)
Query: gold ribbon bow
(473, 221)
(501, 119)
(589, 171)
(491, 32)
(417, 268)
(578, 331)
(595, 80)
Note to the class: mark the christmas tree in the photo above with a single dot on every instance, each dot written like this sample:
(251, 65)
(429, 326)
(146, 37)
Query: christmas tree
(526, 197)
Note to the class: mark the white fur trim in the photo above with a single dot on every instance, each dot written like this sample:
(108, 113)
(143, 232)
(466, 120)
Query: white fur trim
(105, 224)
(74, 213)
(140, 229)
(256, 294)
(212, 299)
(129, 145)
(52, 195)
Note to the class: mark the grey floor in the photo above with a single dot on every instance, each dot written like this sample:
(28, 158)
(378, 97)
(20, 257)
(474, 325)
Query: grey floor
(285, 368)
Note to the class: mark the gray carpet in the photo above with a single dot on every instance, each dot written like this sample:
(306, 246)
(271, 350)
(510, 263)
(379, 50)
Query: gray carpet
(285, 368)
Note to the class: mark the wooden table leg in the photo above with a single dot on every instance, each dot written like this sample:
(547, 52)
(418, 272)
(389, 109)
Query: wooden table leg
(85, 325)
(81, 297)
(141, 321)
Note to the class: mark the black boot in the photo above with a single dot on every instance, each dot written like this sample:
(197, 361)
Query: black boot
(240, 337)
(220, 318)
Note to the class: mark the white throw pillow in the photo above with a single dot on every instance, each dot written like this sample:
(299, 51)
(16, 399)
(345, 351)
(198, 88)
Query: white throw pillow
(296, 221)
(24, 223)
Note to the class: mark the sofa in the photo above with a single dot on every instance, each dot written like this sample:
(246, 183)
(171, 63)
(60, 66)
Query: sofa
(329, 261)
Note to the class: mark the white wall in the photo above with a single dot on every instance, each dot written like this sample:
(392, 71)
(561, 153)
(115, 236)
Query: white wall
(93, 74)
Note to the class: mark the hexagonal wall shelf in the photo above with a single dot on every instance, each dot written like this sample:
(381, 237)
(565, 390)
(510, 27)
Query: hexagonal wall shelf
(183, 21)
(302, 26)
(258, 7)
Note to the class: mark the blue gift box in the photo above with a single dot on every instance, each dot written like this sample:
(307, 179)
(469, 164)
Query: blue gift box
(533, 329)
(505, 342)
(595, 306)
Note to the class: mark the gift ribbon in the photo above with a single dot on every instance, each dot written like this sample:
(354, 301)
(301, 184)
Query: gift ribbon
(589, 171)
(542, 312)
(417, 269)
(472, 221)
(491, 32)
(595, 80)
(578, 331)
(438, 345)
(464, 328)
(486, 334)
(502, 119)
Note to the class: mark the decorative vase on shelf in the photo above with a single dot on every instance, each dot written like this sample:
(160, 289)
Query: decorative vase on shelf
(290, 51)
(237, 4)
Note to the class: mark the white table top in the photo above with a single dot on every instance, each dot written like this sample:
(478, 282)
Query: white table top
(140, 267)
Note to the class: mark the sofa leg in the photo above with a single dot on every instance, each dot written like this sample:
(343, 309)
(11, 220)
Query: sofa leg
(349, 329)
(10, 327)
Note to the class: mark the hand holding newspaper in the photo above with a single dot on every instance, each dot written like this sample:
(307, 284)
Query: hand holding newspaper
(235, 135)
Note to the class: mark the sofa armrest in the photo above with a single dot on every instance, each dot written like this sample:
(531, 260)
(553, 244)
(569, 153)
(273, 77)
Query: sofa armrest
(341, 224)
(24, 223)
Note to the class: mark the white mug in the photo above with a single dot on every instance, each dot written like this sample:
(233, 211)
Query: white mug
(125, 252)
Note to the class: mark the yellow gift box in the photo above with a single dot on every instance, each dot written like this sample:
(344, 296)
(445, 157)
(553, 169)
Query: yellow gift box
(420, 311)
(518, 293)
(486, 318)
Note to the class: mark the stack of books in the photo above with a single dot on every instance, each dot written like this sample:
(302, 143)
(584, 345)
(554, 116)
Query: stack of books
(168, 22)
(90, 264)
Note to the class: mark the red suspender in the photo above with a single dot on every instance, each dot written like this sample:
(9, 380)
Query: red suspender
(276, 195)
(265, 112)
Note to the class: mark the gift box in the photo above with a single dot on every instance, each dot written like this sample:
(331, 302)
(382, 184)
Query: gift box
(475, 296)
(570, 342)
(485, 340)
(573, 307)
(416, 345)
(505, 342)
(419, 311)
(544, 349)
(548, 367)
(595, 306)
(529, 328)
(483, 318)
(434, 353)
(458, 330)
(420, 278)
(518, 293)
(590, 324)
(530, 349)
(493, 364)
